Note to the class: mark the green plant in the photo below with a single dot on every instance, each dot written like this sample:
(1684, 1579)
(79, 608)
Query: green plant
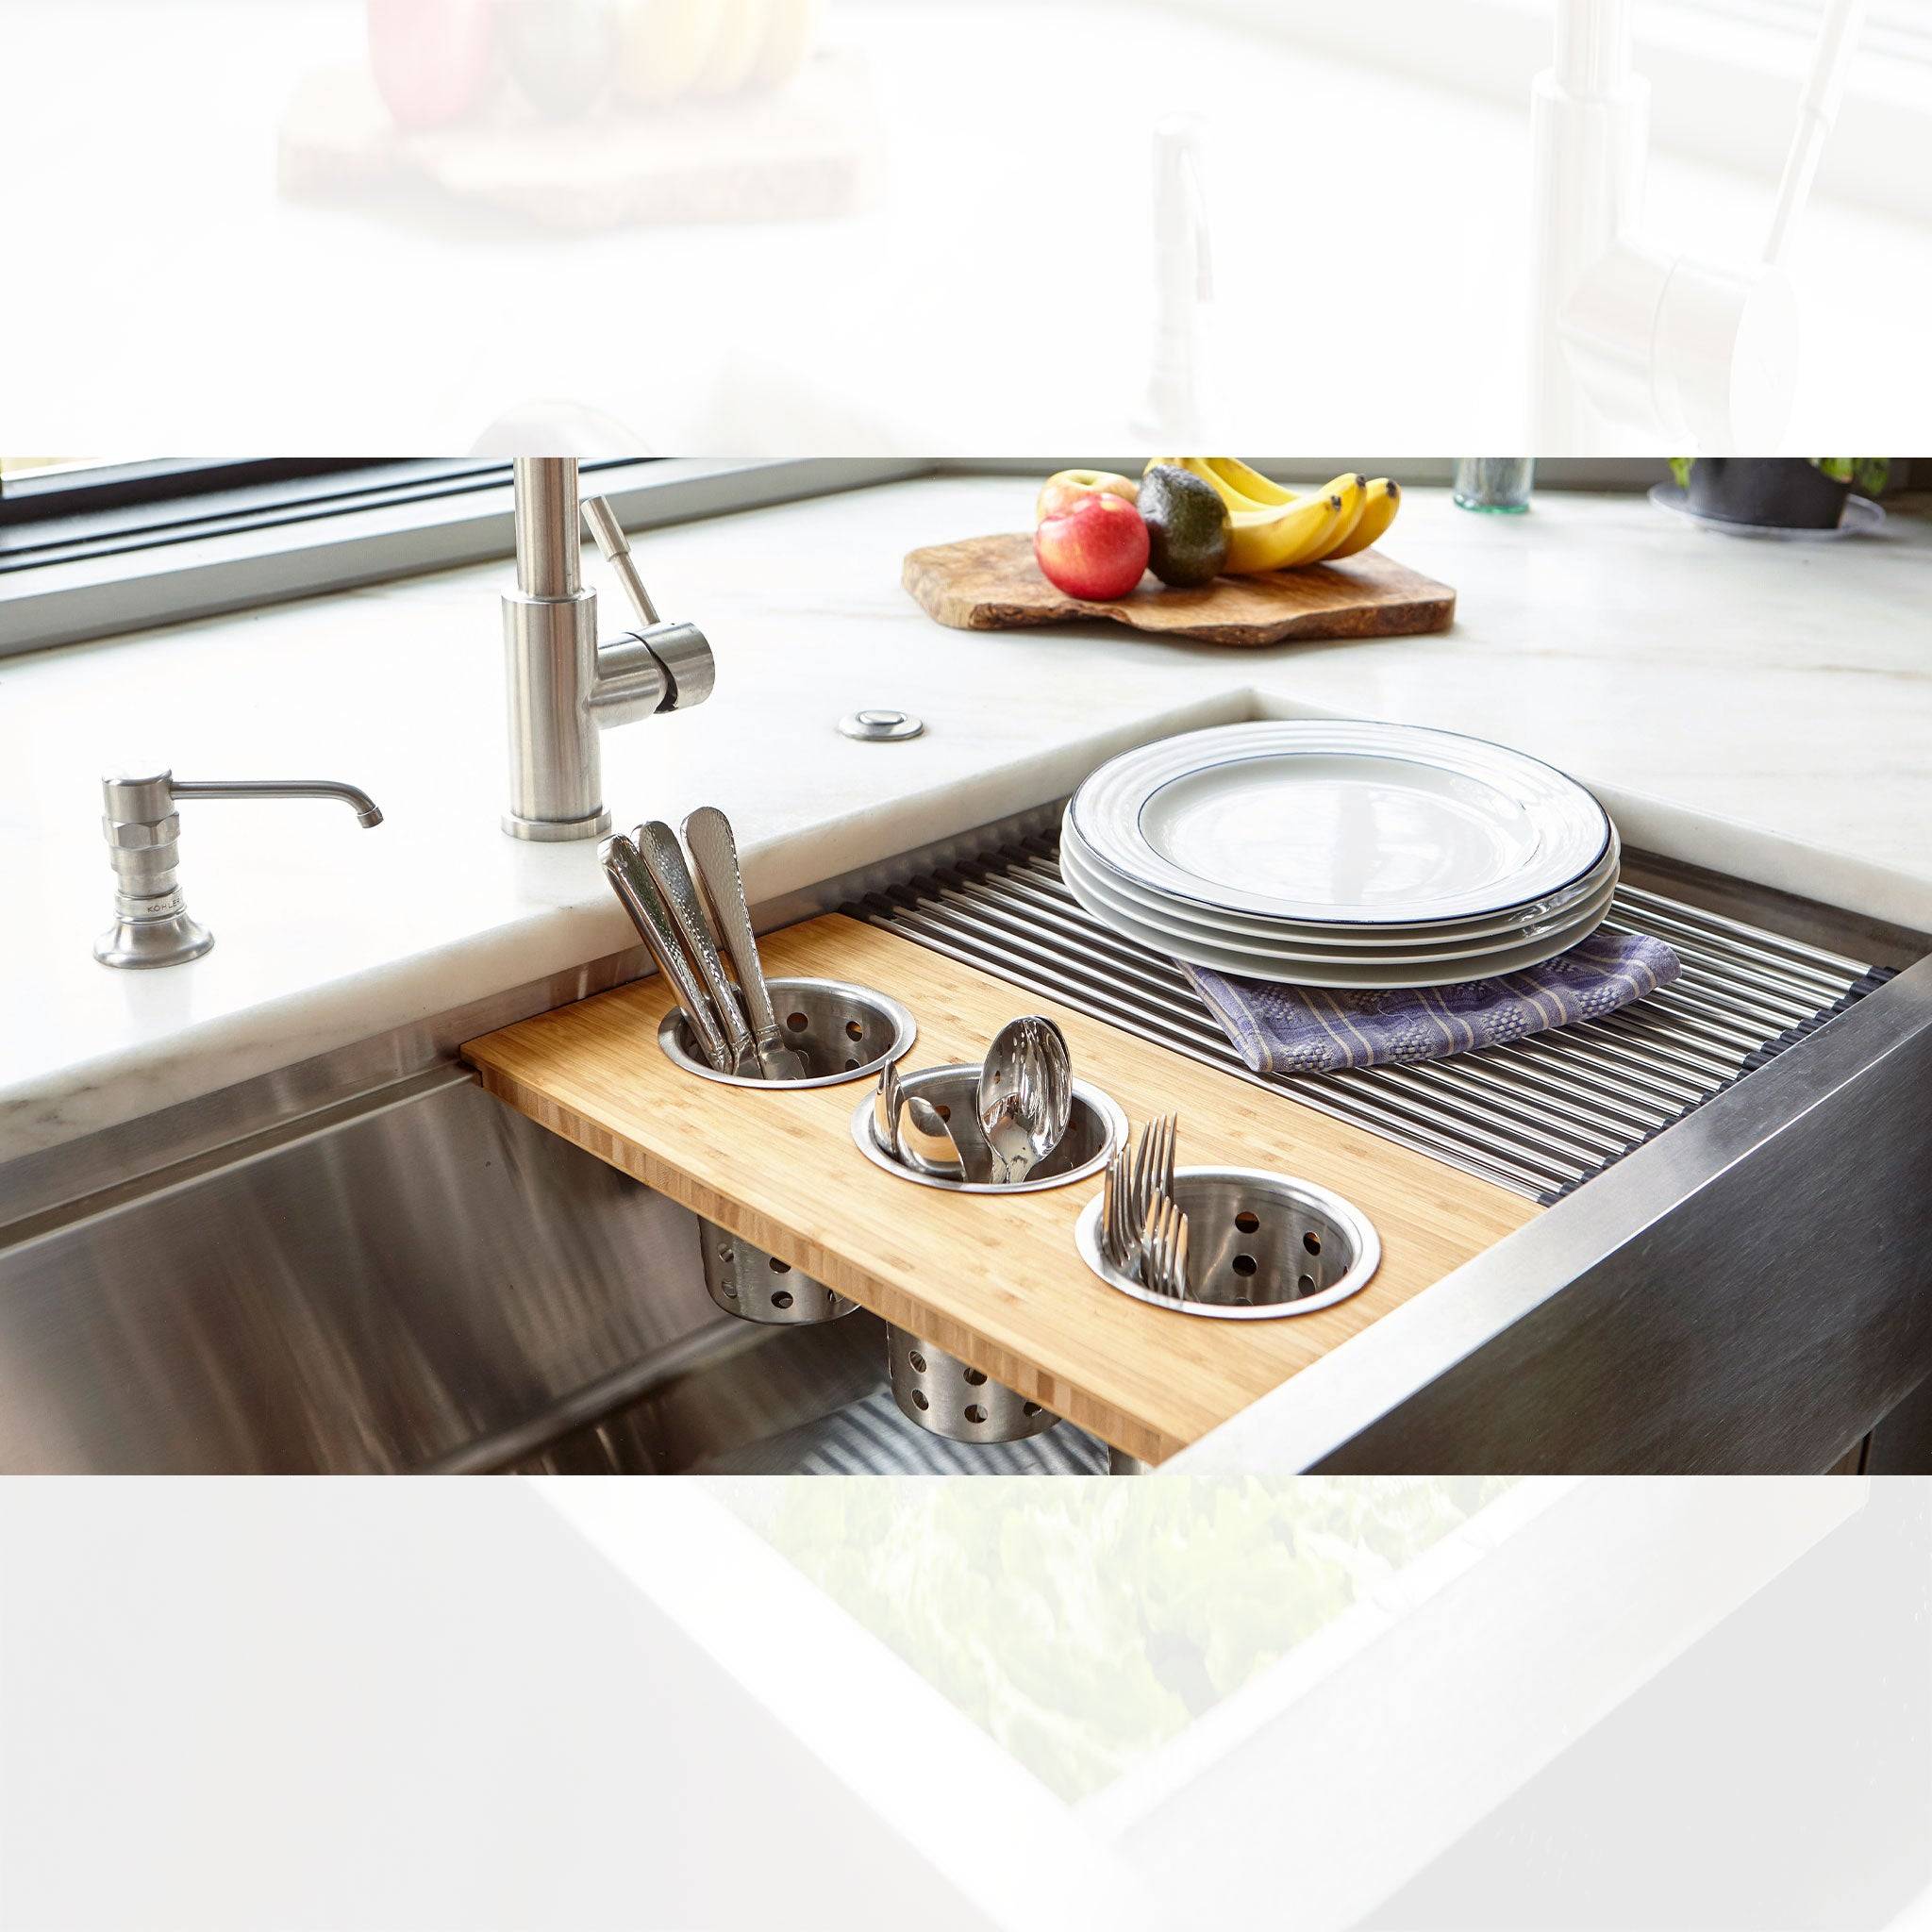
(1866, 475)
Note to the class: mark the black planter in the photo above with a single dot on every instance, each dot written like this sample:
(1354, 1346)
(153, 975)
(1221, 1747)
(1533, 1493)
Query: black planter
(1786, 492)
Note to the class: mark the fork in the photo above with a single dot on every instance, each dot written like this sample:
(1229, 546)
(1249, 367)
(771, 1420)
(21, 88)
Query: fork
(1142, 1230)
(1164, 1250)
(1119, 1240)
(1153, 1176)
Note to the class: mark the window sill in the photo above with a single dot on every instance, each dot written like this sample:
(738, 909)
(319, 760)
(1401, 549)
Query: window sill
(135, 590)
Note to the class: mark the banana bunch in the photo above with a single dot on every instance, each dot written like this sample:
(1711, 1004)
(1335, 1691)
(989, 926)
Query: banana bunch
(671, 50)
(1272, 528)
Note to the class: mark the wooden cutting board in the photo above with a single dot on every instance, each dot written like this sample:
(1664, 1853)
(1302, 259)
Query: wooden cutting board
(993, 1279)
(806, 151)
(993, 583)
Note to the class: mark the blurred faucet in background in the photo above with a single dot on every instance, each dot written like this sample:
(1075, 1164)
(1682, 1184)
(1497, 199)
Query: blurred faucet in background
(1631, 342)
(1181, 380)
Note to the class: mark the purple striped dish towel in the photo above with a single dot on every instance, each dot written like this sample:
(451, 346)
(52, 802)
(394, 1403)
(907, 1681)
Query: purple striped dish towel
(1312, 1029)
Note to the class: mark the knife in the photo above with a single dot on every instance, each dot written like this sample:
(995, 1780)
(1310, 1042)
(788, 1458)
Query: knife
(624, 869)
(664, 859)
(714, 852)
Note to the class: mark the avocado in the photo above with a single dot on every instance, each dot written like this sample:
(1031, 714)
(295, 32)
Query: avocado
(1187, 526)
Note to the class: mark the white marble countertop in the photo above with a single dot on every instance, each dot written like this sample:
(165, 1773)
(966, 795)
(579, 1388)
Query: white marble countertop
(1762, 709)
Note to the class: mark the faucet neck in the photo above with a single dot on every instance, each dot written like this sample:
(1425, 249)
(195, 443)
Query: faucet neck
(1594, 47)
(548, 542)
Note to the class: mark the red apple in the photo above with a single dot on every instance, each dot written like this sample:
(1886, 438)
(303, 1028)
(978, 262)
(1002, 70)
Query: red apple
(432, 58)
(1094, 549)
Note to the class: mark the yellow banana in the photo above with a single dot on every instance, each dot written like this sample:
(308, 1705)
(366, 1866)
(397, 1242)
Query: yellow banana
(1241, 487)
(1198, 466)
(788, 42)
(1354, 492)
(1250, 483)
(1291, 531)
(1349, 491)
(1383, 499)
(740, 33)
(1280, 538)
(664, 46)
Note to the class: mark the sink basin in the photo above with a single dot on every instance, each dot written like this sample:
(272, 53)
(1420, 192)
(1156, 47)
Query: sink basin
(364, 1262)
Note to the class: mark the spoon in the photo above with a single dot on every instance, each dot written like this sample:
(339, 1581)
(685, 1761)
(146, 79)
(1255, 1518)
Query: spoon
(926, 1141)
(1025, 1096)
(886, 1106)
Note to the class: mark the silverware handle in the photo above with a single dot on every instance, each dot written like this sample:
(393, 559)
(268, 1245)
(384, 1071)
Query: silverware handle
(663, 859)
(714, 852)
(624, 869)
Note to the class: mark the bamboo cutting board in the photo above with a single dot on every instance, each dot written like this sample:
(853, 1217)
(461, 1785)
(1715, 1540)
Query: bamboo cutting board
(993, 583)
(995, 1280)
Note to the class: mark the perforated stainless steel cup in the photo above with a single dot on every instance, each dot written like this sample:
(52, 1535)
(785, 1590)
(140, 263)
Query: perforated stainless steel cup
(845, 1032)
(1259, 1245)
(1095, 1128)
(941, 1394)
(744, 1280)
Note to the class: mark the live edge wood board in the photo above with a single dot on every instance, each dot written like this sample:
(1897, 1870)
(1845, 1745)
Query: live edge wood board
(994, 1280)
(993, 583)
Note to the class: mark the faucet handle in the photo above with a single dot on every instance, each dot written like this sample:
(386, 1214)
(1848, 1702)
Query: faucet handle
(615, 547)
(680, 651)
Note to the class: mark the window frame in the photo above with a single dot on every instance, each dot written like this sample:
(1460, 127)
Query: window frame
(31, 495)
(66, 515)
(275, 556)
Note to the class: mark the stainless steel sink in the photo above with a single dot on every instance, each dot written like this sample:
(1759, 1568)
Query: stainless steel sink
(364, 1263)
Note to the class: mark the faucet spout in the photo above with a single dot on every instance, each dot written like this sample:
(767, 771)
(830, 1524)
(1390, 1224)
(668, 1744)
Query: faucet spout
(366, 810)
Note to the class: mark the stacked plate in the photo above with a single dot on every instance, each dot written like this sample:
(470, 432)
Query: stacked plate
(1340, 854)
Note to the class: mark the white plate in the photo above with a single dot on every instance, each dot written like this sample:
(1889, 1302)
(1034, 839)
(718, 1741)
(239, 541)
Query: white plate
(1356, 978)
(1269, 954)
(1341, 823)
(1523, 925)
(1380, 969)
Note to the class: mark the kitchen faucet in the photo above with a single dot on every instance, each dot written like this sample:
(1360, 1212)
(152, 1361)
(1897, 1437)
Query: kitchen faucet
(1629, 342)
(142, 829)
(565, 687)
